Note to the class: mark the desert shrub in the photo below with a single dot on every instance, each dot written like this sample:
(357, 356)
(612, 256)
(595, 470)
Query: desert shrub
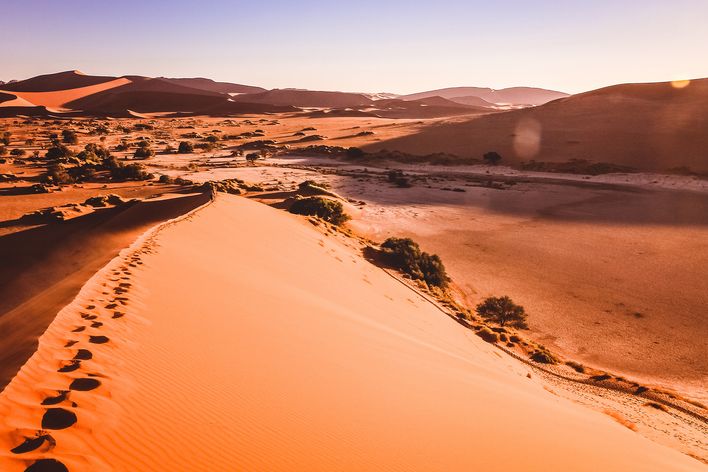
(165, 179)
(58, 152)
(18, 152)
(325, 208)
(104, 200)
(3, 150)
(488, 335)
(211, 139)
(405, 255)
(123, 146)
(69, 137)
(143, 143)
(398, 178)
(492, 158)
(121, 172)
(57, 174)
(576, 366)
(29, 142)
(100, 151)
(143, 152)
(543, 356)
(5, 138)
(355, 152)
(503, 311)
(185, 147)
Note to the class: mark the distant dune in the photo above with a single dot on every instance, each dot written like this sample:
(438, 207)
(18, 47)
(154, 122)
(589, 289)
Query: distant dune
(653, 126)
(512, 95)
(212, 86)
(306, 98)
(59, 81)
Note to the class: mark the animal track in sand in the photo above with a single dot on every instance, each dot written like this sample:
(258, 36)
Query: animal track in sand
(111, 306)
(96, 324)
(47, 465)
(90, 307)
(70, 343)
(72, 366)
(58, 418)
(84, 384)
(31, 444)
(117, 314)
(79, 329)
(63, 395)
(86, 316)
(98, 339)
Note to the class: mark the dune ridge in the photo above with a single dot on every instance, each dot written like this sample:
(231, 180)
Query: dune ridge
(252, 362)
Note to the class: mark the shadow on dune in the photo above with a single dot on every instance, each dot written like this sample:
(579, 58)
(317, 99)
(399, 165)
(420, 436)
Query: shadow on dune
(44, 267)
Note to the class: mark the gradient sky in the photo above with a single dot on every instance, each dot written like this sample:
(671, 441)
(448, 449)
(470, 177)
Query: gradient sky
(393, 46)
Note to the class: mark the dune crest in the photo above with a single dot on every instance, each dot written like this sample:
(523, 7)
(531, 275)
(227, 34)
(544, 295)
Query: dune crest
(214, 344)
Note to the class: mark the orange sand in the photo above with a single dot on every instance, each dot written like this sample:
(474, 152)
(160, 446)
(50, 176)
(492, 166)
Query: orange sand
(251, 341)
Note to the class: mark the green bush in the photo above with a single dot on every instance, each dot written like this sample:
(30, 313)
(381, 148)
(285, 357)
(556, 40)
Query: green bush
(405, 255)
(325, 208)
(503, 311)
(121, 172)
(488, 335)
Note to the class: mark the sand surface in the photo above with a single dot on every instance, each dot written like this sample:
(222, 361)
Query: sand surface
(250, 340)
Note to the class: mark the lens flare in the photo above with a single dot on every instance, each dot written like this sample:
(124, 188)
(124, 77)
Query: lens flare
(679, 84)
(527, 138)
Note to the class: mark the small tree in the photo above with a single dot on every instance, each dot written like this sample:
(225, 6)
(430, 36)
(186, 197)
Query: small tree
(503, 311)
(185, 147)
(5, 138)
(492, 158)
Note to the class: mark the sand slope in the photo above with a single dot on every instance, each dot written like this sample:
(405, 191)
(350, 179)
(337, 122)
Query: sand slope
(251, 341)
(511, 95)
(644, 126)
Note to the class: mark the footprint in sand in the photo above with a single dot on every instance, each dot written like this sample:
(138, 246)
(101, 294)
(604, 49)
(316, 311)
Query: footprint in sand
(111, 306)
(70, 343)
(79, 329)
(83, 354)
(117, 314)
(84, 385)
(86, 316)
(72, 366)
(58, 418)
(63, 395)
(96, 324)
(47, 465)
(31, 444)
(98, 339)
(90, 307)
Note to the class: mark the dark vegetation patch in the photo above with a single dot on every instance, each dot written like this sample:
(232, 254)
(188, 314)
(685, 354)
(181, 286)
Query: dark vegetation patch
(405, 255)
(329, 210)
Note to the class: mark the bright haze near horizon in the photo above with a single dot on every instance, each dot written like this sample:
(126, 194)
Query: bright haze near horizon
(366, 46)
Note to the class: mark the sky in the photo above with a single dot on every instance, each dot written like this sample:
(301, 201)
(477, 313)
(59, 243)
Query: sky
(362, 46)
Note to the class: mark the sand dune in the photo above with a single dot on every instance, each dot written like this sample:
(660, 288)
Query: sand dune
(212, 86)
(36, 280)
(306, 98)
(511, 95)
(55, 82)
(644, 126)
(242, 338)
(59, 98)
